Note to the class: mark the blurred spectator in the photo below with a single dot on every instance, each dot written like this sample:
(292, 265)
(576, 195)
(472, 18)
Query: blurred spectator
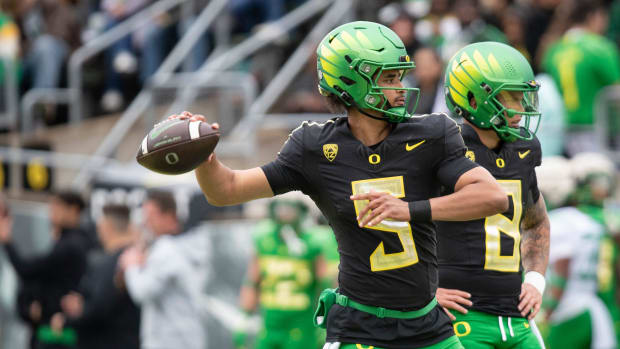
(46, 278)
(473, 28)
(396, 18)
(121, 57)
(250, 13)
(51, 30)
(493, 11)
(250, 16)
(581, 64)
(102, 313)
(583, 258)
(303, 96)
(168, 280)
(552, 129)
(166, 29)
(538, 18)
(428, 74)
(9, 45)
(614, 23)
(513, 24)
(439, 26)
(283, 279)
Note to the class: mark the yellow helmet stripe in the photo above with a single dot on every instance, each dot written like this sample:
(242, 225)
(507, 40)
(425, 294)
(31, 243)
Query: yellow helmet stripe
(494, 64)
(482, 63)
(458, 98)
(349, 40)
(363, 40)
(457, 85)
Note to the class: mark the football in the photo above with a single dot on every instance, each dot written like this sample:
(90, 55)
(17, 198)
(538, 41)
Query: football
(177, 146)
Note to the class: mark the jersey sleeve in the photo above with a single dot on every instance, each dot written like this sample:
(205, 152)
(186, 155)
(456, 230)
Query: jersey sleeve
(453, 162)
(286, 172)
(608, 63)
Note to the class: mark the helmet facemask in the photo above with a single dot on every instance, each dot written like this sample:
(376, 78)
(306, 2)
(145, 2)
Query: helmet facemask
(502, 114)
(377, 100)
(480, 72)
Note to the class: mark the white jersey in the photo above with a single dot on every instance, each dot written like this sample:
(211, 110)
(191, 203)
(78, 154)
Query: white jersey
(577, 236)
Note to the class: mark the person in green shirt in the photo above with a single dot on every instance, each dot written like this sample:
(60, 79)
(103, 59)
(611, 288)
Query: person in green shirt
(9, 52)
(582, 63)
(283, 279)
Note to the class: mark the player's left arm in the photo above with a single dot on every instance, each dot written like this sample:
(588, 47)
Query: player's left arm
(476, 193)
(535, 257)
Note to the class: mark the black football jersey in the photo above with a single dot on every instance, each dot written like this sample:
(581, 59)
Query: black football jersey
(393, 264)
(483, 256)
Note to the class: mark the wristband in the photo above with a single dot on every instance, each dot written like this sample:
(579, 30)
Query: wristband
(420, 211)
(535, 279)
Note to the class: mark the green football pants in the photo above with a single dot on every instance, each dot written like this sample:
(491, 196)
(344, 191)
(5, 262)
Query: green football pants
(449, 343)
(300, 337)
(478, 330)
(573, 333)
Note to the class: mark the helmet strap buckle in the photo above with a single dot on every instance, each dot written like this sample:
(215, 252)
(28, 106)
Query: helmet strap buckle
(486, 87)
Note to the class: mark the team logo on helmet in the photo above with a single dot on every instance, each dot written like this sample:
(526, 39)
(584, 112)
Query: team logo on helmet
(330, 151)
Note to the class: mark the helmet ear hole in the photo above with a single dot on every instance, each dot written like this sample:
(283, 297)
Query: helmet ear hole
(347, 81)
(472, 100)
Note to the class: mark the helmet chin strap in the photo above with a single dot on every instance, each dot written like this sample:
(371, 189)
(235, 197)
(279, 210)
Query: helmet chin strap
(384, 118)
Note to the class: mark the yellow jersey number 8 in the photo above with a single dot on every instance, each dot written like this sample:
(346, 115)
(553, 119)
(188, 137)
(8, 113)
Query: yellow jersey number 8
(379, 260)
(497, 224)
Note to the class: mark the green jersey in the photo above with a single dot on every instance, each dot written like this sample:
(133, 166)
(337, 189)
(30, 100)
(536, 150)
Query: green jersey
(581, 64)
(287, 276)
(322, 235)
(9, 42)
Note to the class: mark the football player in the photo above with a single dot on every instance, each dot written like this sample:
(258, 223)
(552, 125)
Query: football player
(283, 278)
(583, 310)
(481, 262)
(376, 176)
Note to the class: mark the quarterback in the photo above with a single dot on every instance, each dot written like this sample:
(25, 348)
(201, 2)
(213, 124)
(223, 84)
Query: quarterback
(376, 175)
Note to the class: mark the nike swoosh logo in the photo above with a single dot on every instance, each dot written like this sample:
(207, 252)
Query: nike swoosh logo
(522, 155)
(158, 131)
(411, 147)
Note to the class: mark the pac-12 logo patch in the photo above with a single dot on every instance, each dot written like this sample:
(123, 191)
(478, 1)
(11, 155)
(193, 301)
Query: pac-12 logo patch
(330, 151)
(470, 155)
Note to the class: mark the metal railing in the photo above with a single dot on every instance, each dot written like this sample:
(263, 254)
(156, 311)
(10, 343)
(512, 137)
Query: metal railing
(607, 122)
(248, 125)
(73, 94)
(38, 95)
(215, 64)
(237, 80)
(268, 34)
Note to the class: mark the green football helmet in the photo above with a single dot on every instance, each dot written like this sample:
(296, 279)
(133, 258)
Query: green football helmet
(481, 71)
(350, 60)
(596, 178)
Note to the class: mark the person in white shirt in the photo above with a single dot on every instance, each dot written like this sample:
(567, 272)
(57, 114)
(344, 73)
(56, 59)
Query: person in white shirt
(168, 280)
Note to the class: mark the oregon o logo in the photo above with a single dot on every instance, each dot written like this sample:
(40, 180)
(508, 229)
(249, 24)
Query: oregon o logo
(374, 159)
(172, 158)
(462, 328)
(500, 163)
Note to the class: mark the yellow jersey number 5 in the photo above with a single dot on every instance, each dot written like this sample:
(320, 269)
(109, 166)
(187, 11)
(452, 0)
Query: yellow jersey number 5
(379, 260)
